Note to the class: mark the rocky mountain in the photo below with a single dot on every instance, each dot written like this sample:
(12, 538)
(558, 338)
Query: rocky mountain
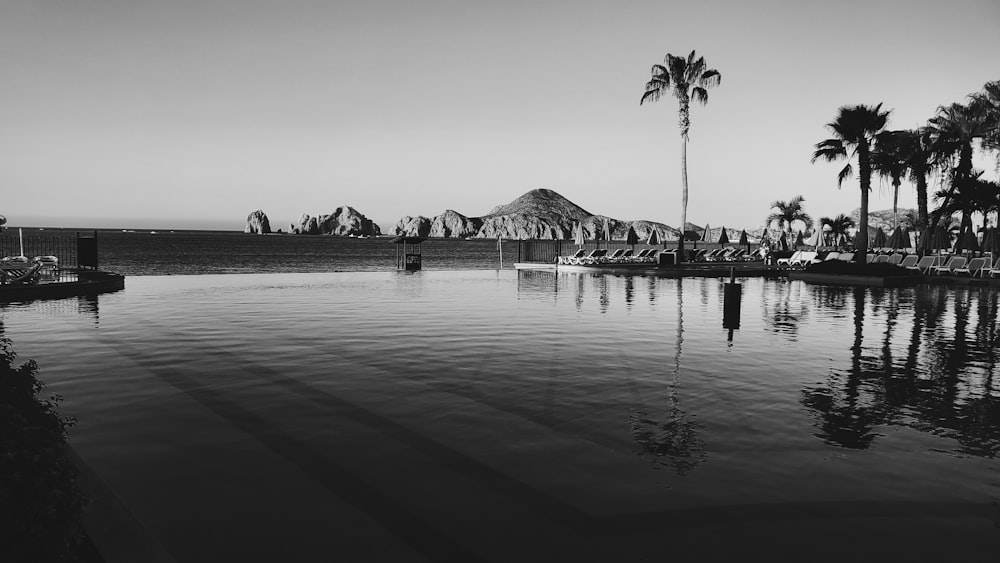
(538, 214)
(257, 223)
(876, 219)
(344, 221)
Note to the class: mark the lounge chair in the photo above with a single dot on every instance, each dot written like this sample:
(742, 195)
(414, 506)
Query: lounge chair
(17, 271)
(909, 261)
(895, 259)
(925, 264)
(871, 256)
(788, 261)
(972, 268)
(570, 259)
(592, 258)
(626, 256)
(736, 255)
(846, 257)
(991, 270)
(880, 259)
(700, 254)
(614, 256)
(954, 262)
(805, 258)
(832, 255)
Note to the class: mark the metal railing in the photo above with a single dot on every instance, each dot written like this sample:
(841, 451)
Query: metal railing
(71, 250)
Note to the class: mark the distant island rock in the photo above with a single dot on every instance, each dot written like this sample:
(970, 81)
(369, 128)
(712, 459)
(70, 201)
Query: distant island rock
(257, 223)
(344, 221)
(538, 214)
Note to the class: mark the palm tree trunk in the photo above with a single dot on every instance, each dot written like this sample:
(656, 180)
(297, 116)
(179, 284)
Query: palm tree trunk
(864, 164)
(922, 200)
(895, 204)
(684, 196)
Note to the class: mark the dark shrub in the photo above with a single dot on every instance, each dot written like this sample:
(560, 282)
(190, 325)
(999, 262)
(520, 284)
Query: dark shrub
(41, 506)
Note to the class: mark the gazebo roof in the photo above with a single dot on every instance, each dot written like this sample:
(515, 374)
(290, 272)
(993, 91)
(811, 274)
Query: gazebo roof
(408, 240)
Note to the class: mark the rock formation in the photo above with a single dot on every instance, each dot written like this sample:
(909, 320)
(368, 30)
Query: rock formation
(538, 214)
(257, 223)
(343, 221)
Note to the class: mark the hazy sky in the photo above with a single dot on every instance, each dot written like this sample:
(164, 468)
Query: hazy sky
(169, 113)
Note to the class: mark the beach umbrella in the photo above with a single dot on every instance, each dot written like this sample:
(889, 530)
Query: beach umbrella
(607, 230)
(799, 240)
(654, 238)
(966, 238)
(578, 237)
(706, 236)
(880, 239)
(744, 240)
(783, 242)
(900, 238)
(723, 237)
(940, 240)
(815, 239)
(631, 238)
(991, 243)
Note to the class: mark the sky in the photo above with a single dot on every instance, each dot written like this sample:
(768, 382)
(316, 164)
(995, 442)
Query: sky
(192, 114)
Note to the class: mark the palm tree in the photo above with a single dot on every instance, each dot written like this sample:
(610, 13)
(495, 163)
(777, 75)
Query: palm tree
(954, 131)
(989, 103)
(688, 79)
(855, 129)
(838, 225)
(889, 162)
(915, 146)
(784, 213)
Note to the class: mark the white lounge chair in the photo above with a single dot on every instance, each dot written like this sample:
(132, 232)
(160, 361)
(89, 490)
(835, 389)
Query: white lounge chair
(908, 261)
(788, 261)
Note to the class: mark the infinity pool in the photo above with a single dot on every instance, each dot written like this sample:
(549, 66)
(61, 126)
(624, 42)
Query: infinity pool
(532, 416)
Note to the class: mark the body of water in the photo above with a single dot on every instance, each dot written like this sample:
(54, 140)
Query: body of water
(532, 416)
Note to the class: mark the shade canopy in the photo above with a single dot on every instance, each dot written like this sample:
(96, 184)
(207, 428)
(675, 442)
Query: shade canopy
(706, 235)
(744, 240)
(991, 242)
(900, 238)
(783, 242)
(723, 237)
(799, 239)
(879, 240)
(578, 237)
(631, 237)
(967, 241)
(654, 237)
(607, 229)
(815, 239)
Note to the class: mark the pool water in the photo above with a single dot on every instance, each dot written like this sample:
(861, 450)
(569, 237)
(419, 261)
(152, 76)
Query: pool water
(531, 416)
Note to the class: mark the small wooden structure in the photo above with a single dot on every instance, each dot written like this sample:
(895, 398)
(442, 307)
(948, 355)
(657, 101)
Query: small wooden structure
(408, 255)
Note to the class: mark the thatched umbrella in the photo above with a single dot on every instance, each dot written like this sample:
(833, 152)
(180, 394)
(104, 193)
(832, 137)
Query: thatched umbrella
(723, 237)
(744, 240)
(607, 230)
(799, 240)
(879, 241)
(578, 236)
(783, 242)
(991, 242)
(631, 238)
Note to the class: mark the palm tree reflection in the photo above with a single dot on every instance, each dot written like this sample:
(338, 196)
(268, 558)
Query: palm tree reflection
(944, 385)
(673, 441)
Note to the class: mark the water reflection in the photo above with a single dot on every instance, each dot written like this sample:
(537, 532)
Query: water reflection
(82, 306)
(672, 439)
(943, 384)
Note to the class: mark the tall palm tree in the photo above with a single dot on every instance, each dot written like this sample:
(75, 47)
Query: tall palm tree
(954, 131)
(989, 103)
(855, 129)
(784, 213)
(915, 146)
(688, 78)
(838, 225)
(889, 162)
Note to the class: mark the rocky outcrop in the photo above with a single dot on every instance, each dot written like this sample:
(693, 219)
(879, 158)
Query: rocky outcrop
(344, 221)
(257, 223)
(454, 224)
(418, 226)
(538, 214)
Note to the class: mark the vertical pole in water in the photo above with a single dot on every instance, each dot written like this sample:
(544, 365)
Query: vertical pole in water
(732, 296)
(500, 247)
(20, 235)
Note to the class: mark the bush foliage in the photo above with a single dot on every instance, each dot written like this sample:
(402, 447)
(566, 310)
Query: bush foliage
(41, 505)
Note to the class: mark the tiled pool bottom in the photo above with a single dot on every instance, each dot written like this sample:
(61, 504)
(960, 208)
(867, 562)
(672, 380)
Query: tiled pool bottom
(532, 416)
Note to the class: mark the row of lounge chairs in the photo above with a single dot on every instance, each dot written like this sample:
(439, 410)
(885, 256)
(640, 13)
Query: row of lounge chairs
(22, 270)
(601, 256)
(927, 265)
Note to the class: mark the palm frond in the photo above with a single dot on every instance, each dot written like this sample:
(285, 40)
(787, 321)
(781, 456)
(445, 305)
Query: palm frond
(844, 174)
(710, 78)
(699, 94)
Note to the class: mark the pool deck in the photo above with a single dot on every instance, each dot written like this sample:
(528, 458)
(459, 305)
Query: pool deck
(758, 269)
(66, 283)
